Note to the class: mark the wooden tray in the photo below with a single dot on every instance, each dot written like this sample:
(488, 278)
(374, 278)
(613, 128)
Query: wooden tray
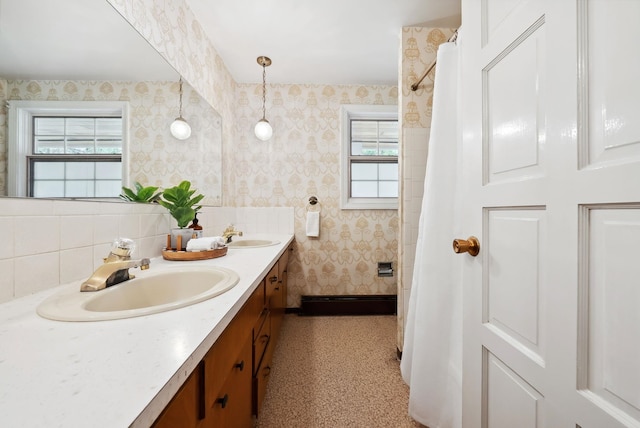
(171, 254)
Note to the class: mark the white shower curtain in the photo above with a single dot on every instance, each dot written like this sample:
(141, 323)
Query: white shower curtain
(432, 354)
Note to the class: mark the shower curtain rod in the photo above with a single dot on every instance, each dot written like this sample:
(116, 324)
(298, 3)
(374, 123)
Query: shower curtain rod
(414, 87)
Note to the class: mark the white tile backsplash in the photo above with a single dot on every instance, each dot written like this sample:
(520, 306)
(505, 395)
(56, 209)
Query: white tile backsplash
(129, 226)
(105, 228)
(148, 224)
(26, 207)
(36, 273)
(47, 243)
(6, 280)
(76, 264)
(100, 251)
(35, 235)
(7, 229)
(76, 231)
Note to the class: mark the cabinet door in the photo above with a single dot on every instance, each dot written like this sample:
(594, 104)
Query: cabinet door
(278, 302)
(186, 409)
(233, 404)
(261, 336)
(261, 378)
(276, 309)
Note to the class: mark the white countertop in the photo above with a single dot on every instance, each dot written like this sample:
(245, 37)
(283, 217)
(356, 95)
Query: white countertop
(114, 373)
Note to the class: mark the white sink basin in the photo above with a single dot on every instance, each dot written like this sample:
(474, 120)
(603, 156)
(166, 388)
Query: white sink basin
(150, 292)
(251, 243)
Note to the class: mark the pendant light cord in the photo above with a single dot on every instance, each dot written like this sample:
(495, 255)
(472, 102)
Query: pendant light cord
(180, 111)
(264, 91)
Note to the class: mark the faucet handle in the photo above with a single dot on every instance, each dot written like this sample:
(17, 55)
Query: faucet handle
(122, 248)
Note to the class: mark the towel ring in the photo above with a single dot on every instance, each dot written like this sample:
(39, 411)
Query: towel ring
(312, 202)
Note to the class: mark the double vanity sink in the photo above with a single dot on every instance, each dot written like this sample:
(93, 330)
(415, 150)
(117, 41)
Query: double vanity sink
(124, 369)
(150, 292)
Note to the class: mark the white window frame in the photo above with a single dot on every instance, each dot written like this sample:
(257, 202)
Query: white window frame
(350, 112)
(20, 122)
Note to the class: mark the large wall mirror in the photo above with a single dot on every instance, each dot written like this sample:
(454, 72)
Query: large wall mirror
(67, 68)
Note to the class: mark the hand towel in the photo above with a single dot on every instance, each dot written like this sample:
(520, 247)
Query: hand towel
(313, 223)
(204, 244)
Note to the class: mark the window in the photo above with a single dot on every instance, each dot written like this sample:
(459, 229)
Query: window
(67, 149)
(369, 157)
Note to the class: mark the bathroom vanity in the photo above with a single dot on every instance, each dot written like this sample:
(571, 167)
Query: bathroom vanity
(205, 363)
(229, 383)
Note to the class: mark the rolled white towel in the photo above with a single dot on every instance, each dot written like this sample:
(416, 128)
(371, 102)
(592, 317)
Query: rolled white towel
(203, 244)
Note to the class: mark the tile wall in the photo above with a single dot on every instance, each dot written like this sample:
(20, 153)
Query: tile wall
(51, 242)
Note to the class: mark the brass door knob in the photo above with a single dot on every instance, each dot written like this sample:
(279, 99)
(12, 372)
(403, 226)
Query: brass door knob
(470, 245)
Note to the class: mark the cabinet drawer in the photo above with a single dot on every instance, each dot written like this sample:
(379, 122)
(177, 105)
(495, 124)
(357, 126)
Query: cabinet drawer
(261, 378)
(271, 282)
(261, 338)
(233, 403)
(222, 357)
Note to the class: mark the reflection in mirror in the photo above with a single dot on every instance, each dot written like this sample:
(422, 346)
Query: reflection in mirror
(83, 55)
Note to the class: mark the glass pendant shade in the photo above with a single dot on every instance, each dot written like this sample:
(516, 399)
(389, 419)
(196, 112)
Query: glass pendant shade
(180, 129)
(263, 130)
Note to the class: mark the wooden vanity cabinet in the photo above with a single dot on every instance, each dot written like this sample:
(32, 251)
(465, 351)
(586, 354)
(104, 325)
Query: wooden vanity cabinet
(278, 302)
(228, 385)
(232, 404)
(219, 391)
(261, 378)
(275, 305)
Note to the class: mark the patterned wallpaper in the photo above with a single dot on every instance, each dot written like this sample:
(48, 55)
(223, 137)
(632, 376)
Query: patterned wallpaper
(419, 48)
(173, 30)
(156, 158)
(302, 160)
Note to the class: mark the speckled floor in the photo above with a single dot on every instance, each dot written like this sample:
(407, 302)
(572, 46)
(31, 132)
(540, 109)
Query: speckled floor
(336, 372)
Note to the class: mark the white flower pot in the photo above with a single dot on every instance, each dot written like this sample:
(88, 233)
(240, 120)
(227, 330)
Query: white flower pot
(185, 233)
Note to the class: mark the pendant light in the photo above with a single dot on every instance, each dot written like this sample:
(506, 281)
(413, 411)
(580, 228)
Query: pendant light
(180, 128)
(263, 129)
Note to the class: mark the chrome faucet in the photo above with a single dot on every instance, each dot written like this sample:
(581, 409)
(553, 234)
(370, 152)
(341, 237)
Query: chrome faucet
(116, 267)
(229, 232)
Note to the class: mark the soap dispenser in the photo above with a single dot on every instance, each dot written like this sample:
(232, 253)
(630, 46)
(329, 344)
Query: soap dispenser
(197, 229)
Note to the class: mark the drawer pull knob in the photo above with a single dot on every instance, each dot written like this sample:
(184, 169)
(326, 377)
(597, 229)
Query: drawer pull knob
(223, 401)
(273, 279)
(240, 365)
(266, 371)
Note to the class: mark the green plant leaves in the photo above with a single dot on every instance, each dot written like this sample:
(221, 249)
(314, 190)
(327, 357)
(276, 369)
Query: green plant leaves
(181, 203)
(141, 195)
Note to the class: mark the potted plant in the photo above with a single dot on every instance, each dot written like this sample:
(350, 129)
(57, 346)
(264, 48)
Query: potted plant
(141, 194)
(183, 206)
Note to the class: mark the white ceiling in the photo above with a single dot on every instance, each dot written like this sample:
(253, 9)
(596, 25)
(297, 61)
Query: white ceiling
(309, 41)
(74, 40)
(317, 41)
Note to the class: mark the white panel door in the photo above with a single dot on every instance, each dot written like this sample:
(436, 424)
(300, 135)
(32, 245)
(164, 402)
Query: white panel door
(551, 171)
